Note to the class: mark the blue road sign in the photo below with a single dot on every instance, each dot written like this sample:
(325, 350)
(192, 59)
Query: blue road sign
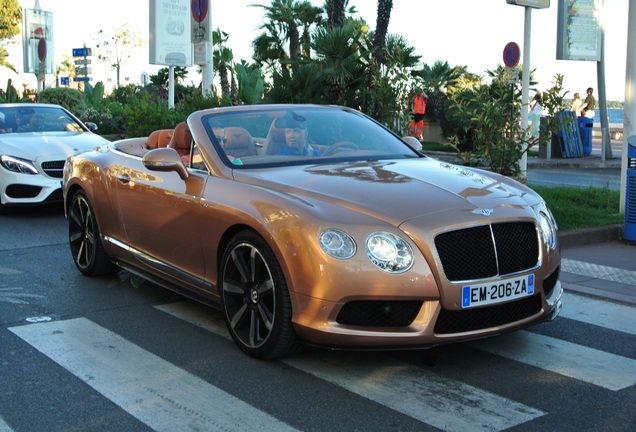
(82, 79)
(81, 52)
(65, 81)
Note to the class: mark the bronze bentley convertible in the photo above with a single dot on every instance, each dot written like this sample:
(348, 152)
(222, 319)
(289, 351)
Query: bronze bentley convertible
(316, 225)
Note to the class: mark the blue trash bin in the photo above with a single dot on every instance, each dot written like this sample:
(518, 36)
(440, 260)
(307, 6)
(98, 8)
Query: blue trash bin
(585, 127)
(629, 231)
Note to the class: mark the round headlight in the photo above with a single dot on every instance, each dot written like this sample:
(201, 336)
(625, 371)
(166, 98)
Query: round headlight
(337, 243)
(548, 230)
(389, 252)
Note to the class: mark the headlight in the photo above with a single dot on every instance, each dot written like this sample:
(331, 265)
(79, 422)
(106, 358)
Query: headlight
(337, 243)
(548, 229)
(18, 165)
(389, 252)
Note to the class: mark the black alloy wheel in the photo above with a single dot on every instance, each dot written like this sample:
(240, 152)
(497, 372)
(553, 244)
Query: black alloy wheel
(255, 300)
(84, 239)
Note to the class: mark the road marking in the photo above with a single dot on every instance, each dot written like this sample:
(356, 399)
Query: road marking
(4, 427)
(440, 402)
(598, 271)
(157, 393)
(599, 312)
(11, 295)
(9, 271)
(585, 364)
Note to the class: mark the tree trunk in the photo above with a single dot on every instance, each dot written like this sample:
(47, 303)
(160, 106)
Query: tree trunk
(335, 13)
(381, 28)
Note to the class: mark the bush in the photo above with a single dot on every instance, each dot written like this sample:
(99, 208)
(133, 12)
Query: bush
(71, 99)
(145, 115)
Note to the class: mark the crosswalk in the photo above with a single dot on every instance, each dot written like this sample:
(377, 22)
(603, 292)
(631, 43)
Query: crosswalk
(166, 397)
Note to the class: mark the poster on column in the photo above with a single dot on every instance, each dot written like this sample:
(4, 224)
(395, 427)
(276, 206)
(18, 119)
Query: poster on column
(37, 41)
(579, 30)
(170, 30)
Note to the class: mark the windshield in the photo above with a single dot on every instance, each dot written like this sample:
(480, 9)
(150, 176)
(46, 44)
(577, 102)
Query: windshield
(35, 118)
(301, 135)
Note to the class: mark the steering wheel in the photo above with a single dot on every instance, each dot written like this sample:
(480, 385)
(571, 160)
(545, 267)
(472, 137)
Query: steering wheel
(342, 144)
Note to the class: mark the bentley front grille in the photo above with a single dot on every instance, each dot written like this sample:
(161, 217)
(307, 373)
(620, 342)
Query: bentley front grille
(379, 313)
(488, 251)
(466, 320)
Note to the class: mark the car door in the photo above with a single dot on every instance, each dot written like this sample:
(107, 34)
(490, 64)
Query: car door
(161, 215)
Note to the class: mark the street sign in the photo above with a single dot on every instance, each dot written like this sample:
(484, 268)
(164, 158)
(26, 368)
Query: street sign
(81, 52)
(83, 61)
(537, 4)
(511, 54)
(65, 81)
(82, 70)
(82, 79)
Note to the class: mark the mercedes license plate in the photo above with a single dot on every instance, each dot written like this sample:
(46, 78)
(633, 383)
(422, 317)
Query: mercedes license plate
(496, 292)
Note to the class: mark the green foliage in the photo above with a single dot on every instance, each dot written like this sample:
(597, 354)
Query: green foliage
(71, 99)
(94, 95)
(576, 208)
(145, 115)
(251, 83)
(489, 114)
(10, 95)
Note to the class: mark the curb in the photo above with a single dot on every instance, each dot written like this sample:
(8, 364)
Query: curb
(585, 236)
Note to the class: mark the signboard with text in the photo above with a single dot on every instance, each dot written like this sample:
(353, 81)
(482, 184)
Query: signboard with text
(170, 30)
(538, 4)
(37, 40)
(579, 30)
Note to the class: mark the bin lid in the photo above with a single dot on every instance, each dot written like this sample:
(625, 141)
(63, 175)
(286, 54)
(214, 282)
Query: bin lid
(631, 140)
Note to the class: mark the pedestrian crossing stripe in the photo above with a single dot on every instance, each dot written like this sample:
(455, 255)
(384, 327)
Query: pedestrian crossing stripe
(168, 398)
(4, 427)
(598, 271)
(599, 312)
(157, 393)
(446, 404)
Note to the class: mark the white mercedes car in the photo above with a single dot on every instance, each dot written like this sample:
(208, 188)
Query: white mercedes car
(35, 141)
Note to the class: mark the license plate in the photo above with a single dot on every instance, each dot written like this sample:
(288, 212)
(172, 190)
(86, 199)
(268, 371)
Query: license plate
(496, 292)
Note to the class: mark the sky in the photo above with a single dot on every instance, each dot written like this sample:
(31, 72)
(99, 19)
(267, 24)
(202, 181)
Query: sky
(470, 33)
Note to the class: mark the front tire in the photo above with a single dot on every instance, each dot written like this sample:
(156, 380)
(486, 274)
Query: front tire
(255, 299)
(84, 238)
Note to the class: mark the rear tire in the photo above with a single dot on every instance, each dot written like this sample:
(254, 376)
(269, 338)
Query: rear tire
(255, 299)
(84, 238)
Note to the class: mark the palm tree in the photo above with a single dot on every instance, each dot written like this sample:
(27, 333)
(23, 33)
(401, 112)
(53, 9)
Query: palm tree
(335, 12)
(223, 59)
(284, 14)
(381, 28)
(338, 52)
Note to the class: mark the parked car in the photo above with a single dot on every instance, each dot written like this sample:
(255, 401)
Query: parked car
(35, 141)
(316, 225)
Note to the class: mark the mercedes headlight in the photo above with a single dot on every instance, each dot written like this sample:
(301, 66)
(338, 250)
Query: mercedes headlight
(18, 165)
(389, 252)
(337, 243)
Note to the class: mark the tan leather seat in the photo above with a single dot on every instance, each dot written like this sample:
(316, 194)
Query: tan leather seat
(239, 143)
(275, 140)
(159, 138)
(182, 141)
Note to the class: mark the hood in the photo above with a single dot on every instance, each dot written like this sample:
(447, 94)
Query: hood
(398, 190)
(50, 145)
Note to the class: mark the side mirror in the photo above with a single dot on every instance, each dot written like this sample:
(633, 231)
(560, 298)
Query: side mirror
(91, 126)
(413, 143)
(165, 159)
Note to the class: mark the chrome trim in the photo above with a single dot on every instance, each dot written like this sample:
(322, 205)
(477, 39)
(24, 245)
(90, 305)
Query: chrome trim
(152, 261)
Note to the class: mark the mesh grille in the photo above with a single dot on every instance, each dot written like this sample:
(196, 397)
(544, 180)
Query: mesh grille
(374, 313)
(550, 282)
(488, 251)
(465, 320)
(53, 168)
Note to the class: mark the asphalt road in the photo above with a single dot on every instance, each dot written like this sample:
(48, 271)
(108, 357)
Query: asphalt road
(580, 177)
(120, 354)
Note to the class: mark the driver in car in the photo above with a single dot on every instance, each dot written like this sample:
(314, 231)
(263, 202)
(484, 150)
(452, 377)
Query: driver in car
(296, 140)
